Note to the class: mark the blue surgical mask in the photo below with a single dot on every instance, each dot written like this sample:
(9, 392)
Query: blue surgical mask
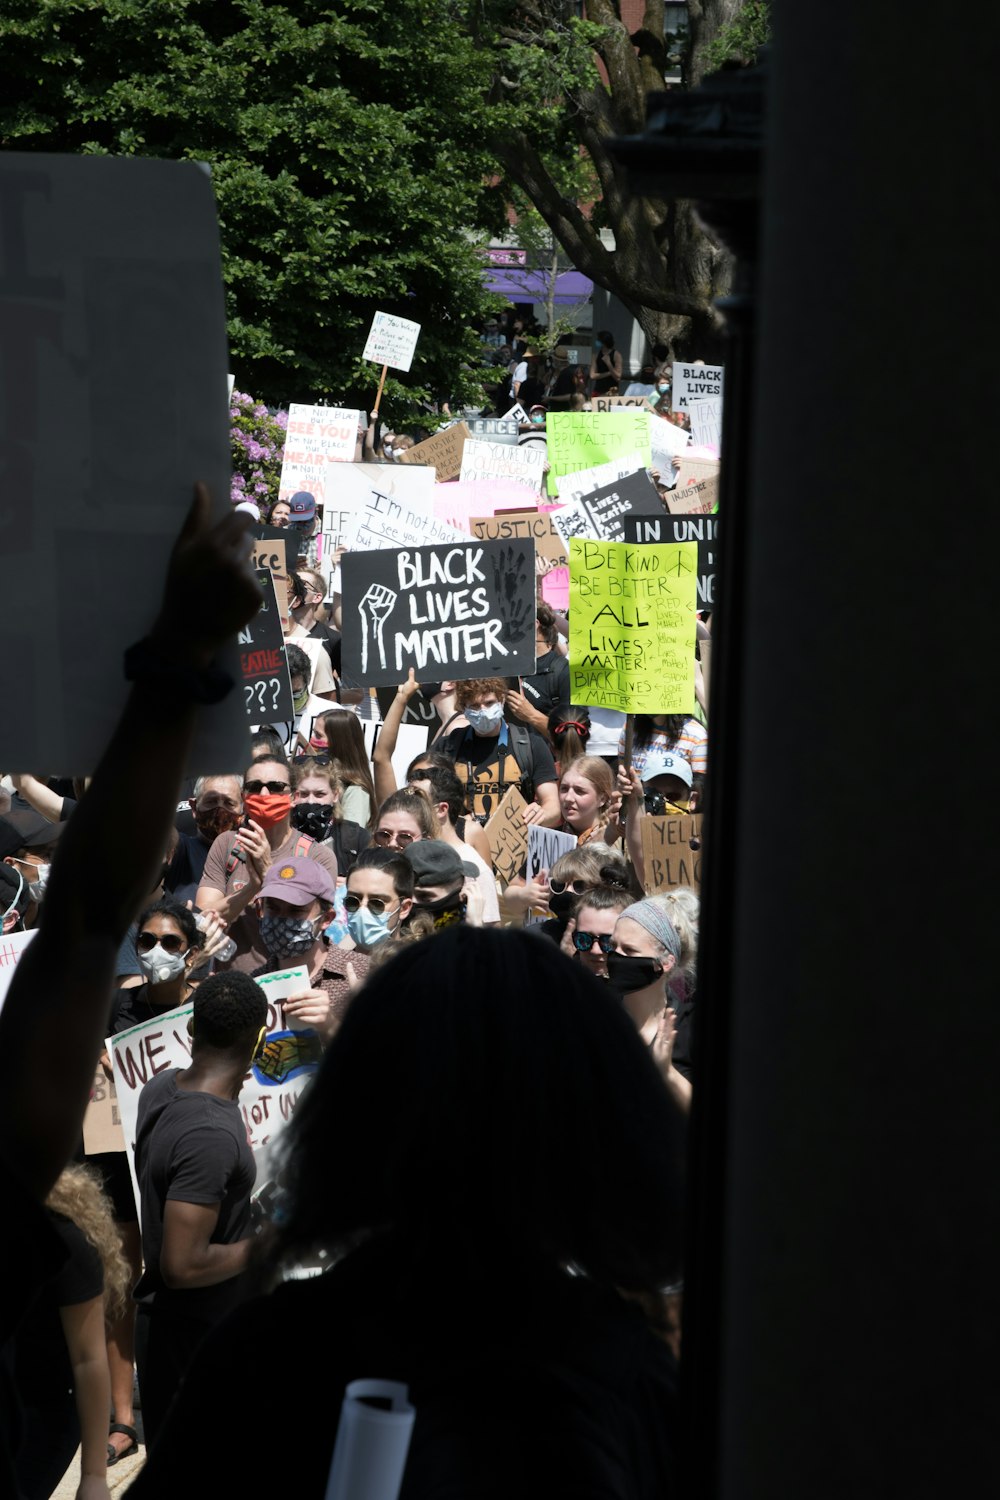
(367, 929)
(485, 720)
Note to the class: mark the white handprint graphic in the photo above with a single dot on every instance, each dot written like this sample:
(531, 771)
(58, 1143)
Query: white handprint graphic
(379, 600)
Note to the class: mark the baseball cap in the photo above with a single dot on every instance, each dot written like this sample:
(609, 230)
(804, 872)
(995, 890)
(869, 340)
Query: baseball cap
(436, 863)
(302, 506)
(26, 829)
(668, 764)
(299, 881)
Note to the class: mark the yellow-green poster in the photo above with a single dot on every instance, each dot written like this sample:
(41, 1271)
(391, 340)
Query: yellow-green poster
(583, 439)
(632, 625)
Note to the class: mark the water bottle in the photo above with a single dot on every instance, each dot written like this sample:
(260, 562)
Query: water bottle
(228, 948)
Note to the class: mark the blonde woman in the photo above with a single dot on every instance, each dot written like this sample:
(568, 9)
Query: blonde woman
(60, 1355)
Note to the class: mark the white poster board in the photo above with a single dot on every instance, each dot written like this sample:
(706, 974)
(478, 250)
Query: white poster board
(695, 382)
(585, 481)
(392, 341)
(318, 438)
(113, 336)
(397, 514)
(483, 460)
(545, 846)
(706, 422)
(12, 946)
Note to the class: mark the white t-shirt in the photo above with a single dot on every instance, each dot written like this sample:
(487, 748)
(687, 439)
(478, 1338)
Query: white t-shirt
(606, 725)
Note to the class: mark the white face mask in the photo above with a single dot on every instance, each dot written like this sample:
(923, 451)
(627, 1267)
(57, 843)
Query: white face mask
(483, 720)
(36, 888)
(159, 966)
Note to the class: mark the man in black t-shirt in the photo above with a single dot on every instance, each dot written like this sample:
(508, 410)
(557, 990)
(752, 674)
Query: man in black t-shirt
(195, 1172)
(491, 756)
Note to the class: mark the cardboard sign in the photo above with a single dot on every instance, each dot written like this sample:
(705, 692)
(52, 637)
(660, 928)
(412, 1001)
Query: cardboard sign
(632, 626)
(667, 854)
(389, 519)
(617, 403)
(449, 612)
(102, 1126)
(706, 422)
(392, 341)
(317, 438)
(443, 452)
(494, 429)
(700, 529)
(507, 833)
(695, 383)
(276, 551)
(572, 487)
(267, 687)
(530, 525)
(545, 845)
(602, 513)
(583, 439)
(697, 489)
(114, 353)
(525, 465)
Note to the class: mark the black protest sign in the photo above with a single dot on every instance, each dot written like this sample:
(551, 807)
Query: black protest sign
(450, 611)
(419, 710)
(267, 689)
(701, 529)
(494, 429)
(600, 515)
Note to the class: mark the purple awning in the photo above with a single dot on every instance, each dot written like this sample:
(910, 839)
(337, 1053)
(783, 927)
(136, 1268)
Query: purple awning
(531, 286)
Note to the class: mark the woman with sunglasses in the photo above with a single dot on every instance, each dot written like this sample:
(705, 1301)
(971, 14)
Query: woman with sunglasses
(557, 891)
(588, 938)
(403, 818)
(379, 899)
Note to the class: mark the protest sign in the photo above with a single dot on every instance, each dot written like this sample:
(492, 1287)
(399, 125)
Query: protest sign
(271, 1089)
(459, 611)
(494, 429)
(457, 503)
(317, 438)
(583, 439)
(697, 488)
(12, 945)
(529, 525)
(545, 845)
(706, 422)
(582, 482)
(601, 514)
(276, 549)
(391, 341)
(356, 484)
(267, 688)
(695, 382)
(419, 712)
(115, 361)
(484, 460)
(517, 413)
(632, 626)
(507, 834)
(389, 519)
(411, 741)
(664, 528)
(102, 1126)
(555, 589)
(617, 403)
(443, 451)
(666, 442)
(671, 852)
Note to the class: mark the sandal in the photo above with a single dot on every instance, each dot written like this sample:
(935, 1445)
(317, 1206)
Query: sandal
(115, 1455)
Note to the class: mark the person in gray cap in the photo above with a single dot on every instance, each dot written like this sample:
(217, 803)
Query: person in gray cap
(438, 876)
(27, 843)
(646, 949)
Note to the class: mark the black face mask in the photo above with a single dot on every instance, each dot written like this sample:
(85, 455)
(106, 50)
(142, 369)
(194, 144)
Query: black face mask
(627, 974)
(560, 906)
(430, 689)
(312, 818)
(446, 910)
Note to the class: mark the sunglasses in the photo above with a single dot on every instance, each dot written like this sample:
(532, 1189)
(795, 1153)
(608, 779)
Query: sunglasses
(383, 837)
(583, 942)
(376, 904)
(147, 941)
(254, 788)
(576, 886)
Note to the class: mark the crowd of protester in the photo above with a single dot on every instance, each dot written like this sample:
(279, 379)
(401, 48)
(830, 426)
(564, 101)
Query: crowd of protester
(498, 1120)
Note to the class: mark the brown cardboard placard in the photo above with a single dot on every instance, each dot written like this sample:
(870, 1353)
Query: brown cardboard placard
(507, 833)
(443, 451)
(102, 1129)
(524, 525)
(667, 855)
(272, 553)
(697, 487)
(616, 403)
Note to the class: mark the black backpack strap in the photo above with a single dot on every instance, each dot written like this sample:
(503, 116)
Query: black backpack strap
(520, 743)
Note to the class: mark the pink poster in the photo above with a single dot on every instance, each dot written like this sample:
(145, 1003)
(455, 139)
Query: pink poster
(458, 501)
(555, 589)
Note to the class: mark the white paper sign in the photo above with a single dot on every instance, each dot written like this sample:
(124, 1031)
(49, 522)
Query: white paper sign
(695, 382)
(392, 341)
(317, 439)
(706, 422)
(518, 412)
(113, 342)
(545, 846)
(391, 519)
(585, 481)
(12, 946)
(483, 460)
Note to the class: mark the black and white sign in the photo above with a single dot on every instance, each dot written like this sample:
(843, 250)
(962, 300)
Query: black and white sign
(694, 528)
(466, 610)
(600, 516)
(267, 688)
(696, 382)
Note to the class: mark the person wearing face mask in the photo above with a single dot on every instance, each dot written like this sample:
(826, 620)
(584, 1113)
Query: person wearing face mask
(15, 899)
(238, 862)
(379, 900)
(317, 809)
(306, 705)
(556, 892)
(295, 906)
(588, 938)
(662, 789)
(27, 842)
(217, 806)
(492, 755)
(438, 877)
(646, 949)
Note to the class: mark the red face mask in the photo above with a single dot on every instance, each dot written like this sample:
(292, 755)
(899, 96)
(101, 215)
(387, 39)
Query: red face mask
(268, 808)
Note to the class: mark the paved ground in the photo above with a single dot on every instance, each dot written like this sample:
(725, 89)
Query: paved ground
(119, 1477)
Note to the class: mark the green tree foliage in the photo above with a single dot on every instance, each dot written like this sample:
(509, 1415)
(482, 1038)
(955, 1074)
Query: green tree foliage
(345, 155)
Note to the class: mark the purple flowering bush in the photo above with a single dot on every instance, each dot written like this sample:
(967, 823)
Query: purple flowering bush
(258, 442)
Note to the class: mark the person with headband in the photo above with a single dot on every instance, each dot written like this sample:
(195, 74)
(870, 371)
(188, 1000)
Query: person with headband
(646, 949)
